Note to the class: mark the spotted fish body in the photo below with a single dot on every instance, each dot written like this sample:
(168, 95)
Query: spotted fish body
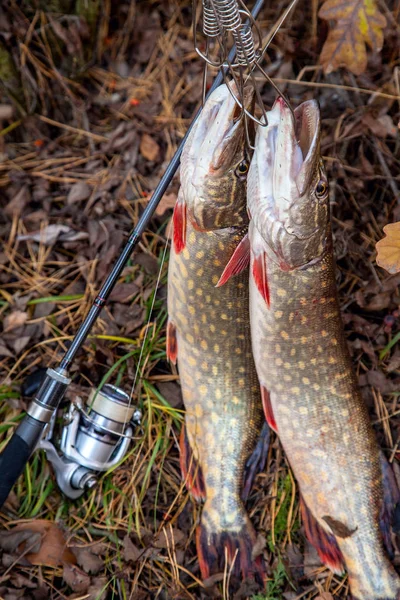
(209, 335)
(309, 389)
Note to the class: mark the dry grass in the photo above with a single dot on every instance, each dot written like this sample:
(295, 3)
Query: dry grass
(80, 121)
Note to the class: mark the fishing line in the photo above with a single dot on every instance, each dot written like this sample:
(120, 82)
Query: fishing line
(163, 258)
(43, 407)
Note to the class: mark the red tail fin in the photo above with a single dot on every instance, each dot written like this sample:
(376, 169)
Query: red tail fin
(190, 468)
(237, 546)
(325, 544)
(179, 221)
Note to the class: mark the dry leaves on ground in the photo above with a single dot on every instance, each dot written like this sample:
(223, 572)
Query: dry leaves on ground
(52, 549)
(149, 147)
(358, 23)
(388, 249)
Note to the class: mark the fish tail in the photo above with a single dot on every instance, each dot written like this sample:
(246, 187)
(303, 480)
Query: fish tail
(228, 549)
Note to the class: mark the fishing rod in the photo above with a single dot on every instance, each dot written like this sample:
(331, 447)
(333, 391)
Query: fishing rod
(97, 433)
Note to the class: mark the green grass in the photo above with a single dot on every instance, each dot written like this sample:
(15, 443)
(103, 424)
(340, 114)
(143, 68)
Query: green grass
(273, 588)
(281, 519)
(389, 346)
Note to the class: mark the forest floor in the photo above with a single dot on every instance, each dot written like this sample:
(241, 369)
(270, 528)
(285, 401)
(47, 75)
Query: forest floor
(99, 103)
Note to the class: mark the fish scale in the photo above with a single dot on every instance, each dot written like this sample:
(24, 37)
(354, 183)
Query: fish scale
(208, 334)
(310, 392)
(215, 367)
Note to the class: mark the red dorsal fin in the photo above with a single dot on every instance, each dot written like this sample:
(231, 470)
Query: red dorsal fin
(259, 272)
(238, 262)
(269, 415)
(325, 544)
(179, 221)
(172, 343)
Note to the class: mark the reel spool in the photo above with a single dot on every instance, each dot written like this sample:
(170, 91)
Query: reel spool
(95, 438)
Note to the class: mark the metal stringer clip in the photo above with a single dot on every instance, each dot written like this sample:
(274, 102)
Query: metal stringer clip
(226, 23)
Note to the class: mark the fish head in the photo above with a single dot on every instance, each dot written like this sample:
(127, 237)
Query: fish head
(215, 163)
(287, 185)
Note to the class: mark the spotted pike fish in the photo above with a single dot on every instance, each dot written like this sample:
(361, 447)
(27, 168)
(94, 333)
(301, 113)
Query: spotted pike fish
(309, 390)
(209, 335)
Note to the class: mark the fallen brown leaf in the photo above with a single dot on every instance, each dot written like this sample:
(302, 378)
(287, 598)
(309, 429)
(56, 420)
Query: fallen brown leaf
(167, 202)
(77, 580)
(78, 192)
(359, 22)
(49, 234)
(14, 541)
(149, 148)
(171, 392)
(53, 550)
(131, 551)
(124, 292)
(168, 536)
(388, 249)
(6, 111)
(88, 560)
(14, 320)
(18, 203)
(381, 126)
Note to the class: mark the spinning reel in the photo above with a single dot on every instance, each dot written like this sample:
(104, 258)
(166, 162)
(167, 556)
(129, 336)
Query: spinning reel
(95, 437)
(97, 433)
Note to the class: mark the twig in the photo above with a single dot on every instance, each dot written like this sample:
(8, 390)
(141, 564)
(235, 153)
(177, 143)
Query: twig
(94, 136)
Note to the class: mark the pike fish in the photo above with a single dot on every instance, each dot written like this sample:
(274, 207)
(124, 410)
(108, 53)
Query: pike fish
(309, 390)
(208, 334)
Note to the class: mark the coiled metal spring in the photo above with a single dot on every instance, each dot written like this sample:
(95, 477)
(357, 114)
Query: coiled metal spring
(228, 13)
(228, 22)
(245, 48)
(210, 24)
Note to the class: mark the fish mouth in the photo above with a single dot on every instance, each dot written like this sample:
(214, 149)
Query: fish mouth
(294, 148)
(214, 142)
(284, 165)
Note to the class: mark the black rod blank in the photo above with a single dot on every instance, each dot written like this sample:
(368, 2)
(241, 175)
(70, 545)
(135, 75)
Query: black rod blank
(142, 224)
(24, 440)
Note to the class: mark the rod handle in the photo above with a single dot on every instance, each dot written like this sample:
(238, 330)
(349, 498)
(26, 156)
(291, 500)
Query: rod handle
(16, 454)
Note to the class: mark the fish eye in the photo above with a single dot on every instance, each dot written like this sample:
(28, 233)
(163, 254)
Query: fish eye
(242, 168)
(321, 189)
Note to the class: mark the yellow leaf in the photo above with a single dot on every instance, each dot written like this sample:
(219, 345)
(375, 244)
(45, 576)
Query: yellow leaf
(359, 22)
(388, 249)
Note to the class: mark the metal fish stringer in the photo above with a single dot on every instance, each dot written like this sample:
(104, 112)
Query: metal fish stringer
(226, 23)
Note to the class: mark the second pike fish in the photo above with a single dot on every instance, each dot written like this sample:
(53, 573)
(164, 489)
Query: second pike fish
(310, 393)
(209, 336)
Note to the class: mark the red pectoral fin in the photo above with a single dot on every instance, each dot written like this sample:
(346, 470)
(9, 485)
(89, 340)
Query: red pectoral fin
(238, 262)
(259, 273)
(191, 470)
(269, 415)
(256, 462)
(172, 343)
(179, 221)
